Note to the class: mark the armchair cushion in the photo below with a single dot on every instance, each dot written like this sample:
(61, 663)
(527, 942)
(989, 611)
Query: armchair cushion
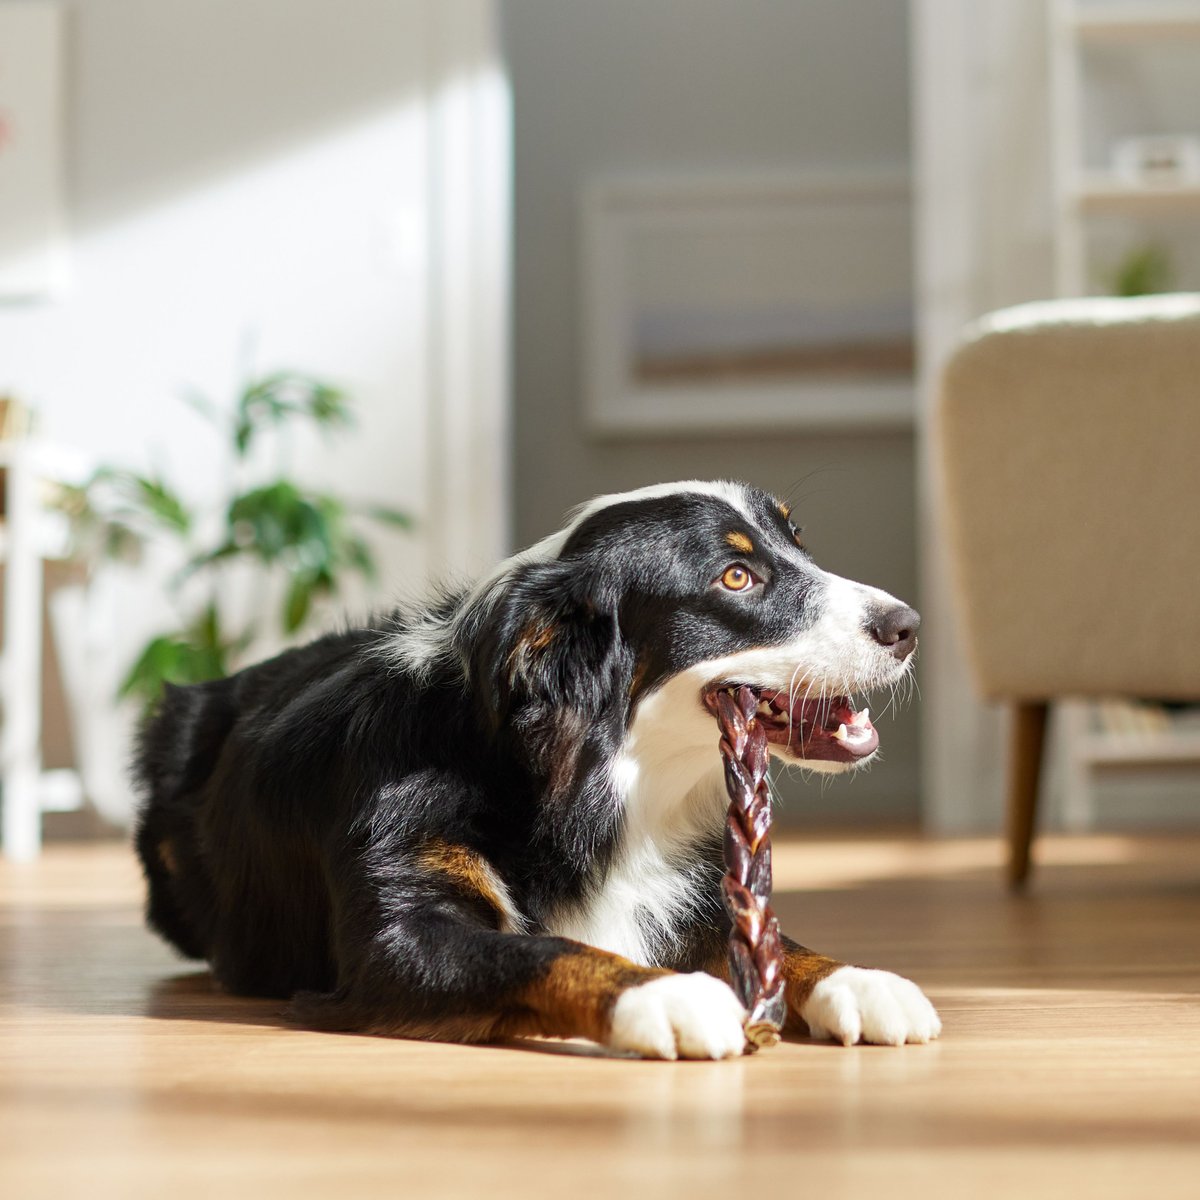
(1069, 436)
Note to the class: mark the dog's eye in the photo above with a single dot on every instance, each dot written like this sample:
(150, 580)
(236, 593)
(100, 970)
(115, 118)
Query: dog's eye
(738, 578)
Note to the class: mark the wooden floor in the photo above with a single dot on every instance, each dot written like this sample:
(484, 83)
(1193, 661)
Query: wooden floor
(1069, 1066)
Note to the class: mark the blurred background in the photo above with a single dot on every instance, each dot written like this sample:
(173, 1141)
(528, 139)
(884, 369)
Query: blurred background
(307, 306)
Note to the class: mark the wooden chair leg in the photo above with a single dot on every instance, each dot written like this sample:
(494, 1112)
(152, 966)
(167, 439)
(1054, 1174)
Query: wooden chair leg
(1026, 741)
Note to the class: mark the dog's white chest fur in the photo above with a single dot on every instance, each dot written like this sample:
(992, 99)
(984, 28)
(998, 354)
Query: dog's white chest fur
(638, 908)
(672, 799)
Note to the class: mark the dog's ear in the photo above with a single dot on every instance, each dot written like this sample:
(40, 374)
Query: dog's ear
(546, 653)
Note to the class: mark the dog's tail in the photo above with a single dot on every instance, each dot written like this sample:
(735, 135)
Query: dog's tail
(177, 750)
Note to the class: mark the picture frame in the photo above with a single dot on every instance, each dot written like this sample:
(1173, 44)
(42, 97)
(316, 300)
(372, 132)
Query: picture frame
(749, 304)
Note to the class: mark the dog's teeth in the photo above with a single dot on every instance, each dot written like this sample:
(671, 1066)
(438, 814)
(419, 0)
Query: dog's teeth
(861, 718)
(842, 733)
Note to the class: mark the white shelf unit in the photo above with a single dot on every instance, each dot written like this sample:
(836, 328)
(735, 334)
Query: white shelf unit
(1083, 195)
(1088, 747)
(1082, 192)
(1099, 192)
(29, 536)
(1132, 749)
(1133, 22)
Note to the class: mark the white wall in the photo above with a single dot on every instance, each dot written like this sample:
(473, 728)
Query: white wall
(615, 87)
(259, 184)
(247, 190)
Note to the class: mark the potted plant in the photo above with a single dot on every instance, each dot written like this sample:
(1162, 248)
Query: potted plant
(308, 540)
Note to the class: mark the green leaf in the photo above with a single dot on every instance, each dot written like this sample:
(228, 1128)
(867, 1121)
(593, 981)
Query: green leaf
(116, 511)
(267, 520)
(277, 398)
(297, 602)
(308, 532)
(199, 652)
(121, 543)
(163, 504)
(201, 404)
(387, 516)
(121, 494)
(205, 631)
(170, 659)
(1145, 270)
(206, 558)
(243, 430)
(357, 554)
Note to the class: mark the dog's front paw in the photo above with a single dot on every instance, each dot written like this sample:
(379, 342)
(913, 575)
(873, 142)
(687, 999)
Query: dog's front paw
(679, 1016)
(854, 1004)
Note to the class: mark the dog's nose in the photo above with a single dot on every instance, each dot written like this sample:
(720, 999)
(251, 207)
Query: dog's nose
(896, 629)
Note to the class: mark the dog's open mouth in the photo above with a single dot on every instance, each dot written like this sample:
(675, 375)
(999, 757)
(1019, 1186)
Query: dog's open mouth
(827, 730)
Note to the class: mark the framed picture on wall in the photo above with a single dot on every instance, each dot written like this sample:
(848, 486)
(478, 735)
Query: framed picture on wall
(747, 304)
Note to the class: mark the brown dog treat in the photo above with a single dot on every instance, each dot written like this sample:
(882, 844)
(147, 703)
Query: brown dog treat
(755, 951)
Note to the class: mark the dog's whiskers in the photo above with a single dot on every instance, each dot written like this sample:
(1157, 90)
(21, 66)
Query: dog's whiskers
(792, 698)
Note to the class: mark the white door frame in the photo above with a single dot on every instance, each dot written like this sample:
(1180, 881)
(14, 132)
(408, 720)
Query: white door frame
(469, 233)
(983, 237)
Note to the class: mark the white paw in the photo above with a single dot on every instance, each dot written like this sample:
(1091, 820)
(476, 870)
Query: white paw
(857, 1005)
(679, 1016)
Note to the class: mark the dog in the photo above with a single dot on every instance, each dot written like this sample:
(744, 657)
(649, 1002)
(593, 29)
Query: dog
(501, 816)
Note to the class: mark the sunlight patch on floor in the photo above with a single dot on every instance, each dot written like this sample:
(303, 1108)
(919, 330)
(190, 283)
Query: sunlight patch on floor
(843, 862)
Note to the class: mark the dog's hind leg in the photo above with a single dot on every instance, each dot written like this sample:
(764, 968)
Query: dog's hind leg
(178, 749)
(161, 848)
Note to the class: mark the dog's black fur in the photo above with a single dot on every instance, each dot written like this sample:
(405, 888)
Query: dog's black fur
(383, 825)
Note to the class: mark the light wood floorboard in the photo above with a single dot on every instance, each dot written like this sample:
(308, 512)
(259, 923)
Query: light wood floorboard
(1069, 1066)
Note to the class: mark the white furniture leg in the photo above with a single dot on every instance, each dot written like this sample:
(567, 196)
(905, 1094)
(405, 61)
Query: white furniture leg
(1079, 806)
(20, 756)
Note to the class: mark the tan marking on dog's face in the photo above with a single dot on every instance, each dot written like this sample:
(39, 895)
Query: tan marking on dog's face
(785, 511)
(740, 542)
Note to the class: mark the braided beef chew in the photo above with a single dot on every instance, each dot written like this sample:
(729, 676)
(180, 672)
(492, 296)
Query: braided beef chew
(755, 949)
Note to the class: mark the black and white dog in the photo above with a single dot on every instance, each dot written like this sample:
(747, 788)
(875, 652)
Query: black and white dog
(502, 816)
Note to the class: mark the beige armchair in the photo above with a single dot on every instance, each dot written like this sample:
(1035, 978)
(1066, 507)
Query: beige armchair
(1069, 434)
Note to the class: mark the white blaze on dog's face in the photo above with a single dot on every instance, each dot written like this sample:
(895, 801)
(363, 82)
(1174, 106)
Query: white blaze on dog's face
(716, 590)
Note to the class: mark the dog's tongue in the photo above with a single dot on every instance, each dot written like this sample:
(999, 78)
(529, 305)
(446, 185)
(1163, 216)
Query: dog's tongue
(822, 729)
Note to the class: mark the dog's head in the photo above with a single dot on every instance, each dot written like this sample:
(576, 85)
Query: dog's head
(650, 601)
